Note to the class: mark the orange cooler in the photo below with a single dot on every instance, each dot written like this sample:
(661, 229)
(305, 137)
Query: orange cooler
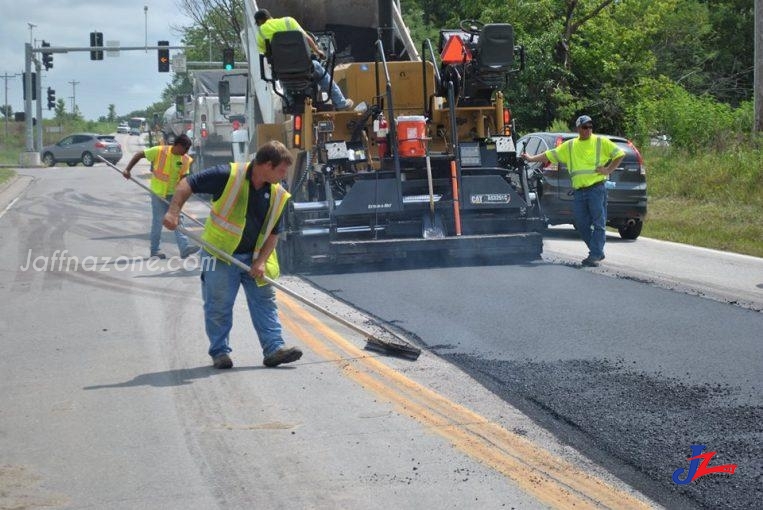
(411, 136)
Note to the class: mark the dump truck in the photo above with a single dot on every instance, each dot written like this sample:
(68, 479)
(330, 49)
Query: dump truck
(425, 164)
(214, 122)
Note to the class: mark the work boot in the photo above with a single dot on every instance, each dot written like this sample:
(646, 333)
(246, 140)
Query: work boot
(590, 261)
(222, 361)
(282, 355)
(189, 251)
(158, 255)
(348, 104)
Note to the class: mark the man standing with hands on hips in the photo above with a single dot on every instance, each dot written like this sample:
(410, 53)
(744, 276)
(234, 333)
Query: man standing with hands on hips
(247, 206)
(583, 157)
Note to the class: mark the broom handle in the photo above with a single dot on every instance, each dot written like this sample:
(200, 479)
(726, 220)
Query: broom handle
(109, 163)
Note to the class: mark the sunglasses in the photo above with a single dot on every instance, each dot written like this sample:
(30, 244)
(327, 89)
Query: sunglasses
(587, 126)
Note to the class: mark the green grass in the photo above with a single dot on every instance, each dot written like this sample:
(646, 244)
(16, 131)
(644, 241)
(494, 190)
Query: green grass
(5, 174)
(714, 200)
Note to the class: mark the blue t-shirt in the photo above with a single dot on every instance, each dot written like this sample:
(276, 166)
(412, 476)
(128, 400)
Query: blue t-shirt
(212, 181)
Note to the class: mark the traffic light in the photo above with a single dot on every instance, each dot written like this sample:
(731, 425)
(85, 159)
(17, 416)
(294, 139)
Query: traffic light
(228, 61)
(164, 57)
(96, 40)
(51, 98)
(47, 57)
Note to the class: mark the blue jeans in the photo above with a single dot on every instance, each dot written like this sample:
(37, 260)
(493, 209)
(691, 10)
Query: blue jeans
(219, 286)
(324, 81)
(158, 210)
(590, 212)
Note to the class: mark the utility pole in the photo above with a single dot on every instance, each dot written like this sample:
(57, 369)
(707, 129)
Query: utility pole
(38, 68)
(74, 96)
(145, 16)
(6, 77)
(758, 72)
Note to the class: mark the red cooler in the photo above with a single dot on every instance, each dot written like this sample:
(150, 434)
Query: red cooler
(411, 136)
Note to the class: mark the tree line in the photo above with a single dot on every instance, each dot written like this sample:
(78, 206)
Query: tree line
(682, 68)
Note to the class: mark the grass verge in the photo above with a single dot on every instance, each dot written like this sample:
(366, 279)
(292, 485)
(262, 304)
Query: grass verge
(6, 174)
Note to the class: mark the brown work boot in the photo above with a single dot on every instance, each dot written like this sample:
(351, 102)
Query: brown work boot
(222, 361)
(282, 355)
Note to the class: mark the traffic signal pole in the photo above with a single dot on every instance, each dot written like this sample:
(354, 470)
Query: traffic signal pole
(31, 156)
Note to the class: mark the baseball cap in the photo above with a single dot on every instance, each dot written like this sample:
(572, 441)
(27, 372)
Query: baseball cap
(582, 120)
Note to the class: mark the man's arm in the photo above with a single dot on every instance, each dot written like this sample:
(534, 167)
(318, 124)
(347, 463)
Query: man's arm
(534, 159)
(314, 45)
(136, 157)
(258, 264)
(608, 169)
(182, 193)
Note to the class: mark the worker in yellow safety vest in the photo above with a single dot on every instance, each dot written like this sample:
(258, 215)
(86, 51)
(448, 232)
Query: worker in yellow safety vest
(268, 26)
(589, 159)
(169, 164)
(246, 218)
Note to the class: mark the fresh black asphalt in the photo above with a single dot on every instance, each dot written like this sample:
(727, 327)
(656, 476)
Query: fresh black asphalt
(629, 373)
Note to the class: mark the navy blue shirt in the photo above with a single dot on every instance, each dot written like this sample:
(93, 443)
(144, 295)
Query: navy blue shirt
(212, 181)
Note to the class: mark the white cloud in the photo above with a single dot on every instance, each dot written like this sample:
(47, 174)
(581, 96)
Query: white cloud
(130, 81)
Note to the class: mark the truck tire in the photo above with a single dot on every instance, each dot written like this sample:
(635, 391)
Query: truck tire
(631, 231)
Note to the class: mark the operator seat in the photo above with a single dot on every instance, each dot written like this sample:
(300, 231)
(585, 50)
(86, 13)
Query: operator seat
(493, 59)
(291, 64)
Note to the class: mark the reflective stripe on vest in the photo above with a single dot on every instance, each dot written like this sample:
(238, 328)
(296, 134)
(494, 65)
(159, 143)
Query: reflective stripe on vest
(162, 181)
(225, 224)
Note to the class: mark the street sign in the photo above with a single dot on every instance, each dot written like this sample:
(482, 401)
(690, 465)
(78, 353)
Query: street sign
(178, 63)
(113, 50)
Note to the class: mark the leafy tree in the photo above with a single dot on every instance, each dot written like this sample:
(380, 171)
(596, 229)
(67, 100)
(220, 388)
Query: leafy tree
(6, 110)
(112, 116)
(217, 24)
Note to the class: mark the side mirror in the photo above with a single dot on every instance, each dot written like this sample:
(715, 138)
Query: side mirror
(223, 93)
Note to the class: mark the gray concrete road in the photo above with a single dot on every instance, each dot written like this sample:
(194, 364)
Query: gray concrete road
(107, 399)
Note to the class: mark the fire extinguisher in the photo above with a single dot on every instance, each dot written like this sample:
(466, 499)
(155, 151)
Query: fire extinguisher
(381, 128)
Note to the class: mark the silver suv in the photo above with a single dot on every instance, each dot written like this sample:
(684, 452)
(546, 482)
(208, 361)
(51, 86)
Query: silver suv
(82, 148)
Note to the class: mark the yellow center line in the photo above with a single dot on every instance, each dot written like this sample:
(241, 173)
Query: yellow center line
(547, 477)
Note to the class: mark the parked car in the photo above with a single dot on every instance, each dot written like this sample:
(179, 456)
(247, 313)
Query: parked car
(123, 127)
(82, 147)
(626, 186)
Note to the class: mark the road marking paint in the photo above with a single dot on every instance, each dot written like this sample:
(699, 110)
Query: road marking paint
(547, 477)
(7, 208)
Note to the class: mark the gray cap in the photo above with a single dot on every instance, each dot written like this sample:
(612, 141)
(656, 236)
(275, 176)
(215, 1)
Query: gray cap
(582, 120)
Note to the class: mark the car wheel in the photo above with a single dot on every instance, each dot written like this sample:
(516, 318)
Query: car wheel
(631, 231)
(87, 159)
(72, 163)
(48, 159)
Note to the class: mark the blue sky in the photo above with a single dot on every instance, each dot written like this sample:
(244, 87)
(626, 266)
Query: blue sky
(130, 81)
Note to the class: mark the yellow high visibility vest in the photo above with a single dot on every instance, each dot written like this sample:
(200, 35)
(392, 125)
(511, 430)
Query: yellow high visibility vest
(225, 224)
(165, 177)
(583, 157)
(273, 25)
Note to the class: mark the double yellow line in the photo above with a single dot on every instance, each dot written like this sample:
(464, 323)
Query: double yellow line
(550, 479)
